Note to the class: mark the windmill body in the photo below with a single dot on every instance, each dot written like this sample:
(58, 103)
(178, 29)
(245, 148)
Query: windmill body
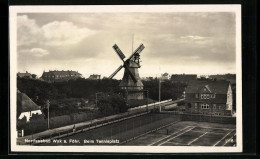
(131, 82)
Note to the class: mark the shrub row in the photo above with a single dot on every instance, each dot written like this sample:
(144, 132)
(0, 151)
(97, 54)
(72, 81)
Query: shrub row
(36, 126)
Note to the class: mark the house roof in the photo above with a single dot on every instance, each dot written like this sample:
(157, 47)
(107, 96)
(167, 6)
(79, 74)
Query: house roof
(94, 76)
(165, 74)
(23, 74)
(183, 77)
(55, 72)
(25, 104)
(217, 87)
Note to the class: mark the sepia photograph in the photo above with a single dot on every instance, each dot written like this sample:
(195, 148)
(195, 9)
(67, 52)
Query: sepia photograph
(143, 78)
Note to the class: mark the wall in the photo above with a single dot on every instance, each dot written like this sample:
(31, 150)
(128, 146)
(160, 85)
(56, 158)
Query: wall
(29, 114)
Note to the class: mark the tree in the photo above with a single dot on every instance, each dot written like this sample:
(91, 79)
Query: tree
(111, 103)
(34, 76)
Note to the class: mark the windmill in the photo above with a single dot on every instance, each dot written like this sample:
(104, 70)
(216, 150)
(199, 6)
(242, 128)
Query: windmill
(131, 81)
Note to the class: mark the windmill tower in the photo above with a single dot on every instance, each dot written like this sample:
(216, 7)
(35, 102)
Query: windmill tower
(131, 82)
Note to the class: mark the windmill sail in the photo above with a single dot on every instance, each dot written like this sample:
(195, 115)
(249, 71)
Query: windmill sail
(117, 70)
(130, 73)
(119, 52)
(137, 51)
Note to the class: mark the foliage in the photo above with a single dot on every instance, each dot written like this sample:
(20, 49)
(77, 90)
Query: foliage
(64, 96)
(169, 90)
(135, 103)
(111, 103)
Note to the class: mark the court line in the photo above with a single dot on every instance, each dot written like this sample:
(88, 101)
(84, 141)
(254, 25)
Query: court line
(210, 132)
(214, 128)
(197, 138)
(229, 139)
(223, 137)
(154, 130)
(176, 136)
(176, 143)
(168, 136)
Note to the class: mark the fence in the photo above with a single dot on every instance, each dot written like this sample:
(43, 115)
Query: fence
(208, 118)
(155, 105)
(129, 129)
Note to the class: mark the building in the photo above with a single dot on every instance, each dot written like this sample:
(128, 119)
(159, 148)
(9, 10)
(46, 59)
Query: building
(165, 76)
(183, 78)
(94, 77)
(24, 75)
(209, 97)
(59, 76)
(229, 77)
(26, 107)
(147, 78)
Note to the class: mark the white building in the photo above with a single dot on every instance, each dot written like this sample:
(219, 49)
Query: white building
(26, 107)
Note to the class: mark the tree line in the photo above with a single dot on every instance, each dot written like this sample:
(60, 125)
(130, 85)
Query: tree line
(40, 91)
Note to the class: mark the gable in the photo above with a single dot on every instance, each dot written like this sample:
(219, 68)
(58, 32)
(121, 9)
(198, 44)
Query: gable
(209, 86)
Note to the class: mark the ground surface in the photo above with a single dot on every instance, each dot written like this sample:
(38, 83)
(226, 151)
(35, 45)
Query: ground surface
(155, 130)
(186, 133)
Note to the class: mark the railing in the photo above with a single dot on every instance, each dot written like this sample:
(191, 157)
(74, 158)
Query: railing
(208, 118)
(96, 123)
(156, 104)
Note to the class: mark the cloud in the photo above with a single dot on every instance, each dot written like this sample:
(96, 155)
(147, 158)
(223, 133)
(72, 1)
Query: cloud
(192, 37)
(84, 41)
(56, 33)
(28, 31)
(64, 33)
(37, 52)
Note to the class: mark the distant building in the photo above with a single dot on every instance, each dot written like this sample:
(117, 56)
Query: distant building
(147, 78)
(26, 107)
(229, 77)
(59, 76)
(183, 78)
(165, 76)
(209, 97)
(24, 75)
(94, 77)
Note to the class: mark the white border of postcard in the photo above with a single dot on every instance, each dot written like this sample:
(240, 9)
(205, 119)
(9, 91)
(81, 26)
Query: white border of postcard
(123, 8)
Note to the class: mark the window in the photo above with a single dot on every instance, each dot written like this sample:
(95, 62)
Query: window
(195, 105)
(227, 106)
(214, 106)
(204, 106)
(205, 96)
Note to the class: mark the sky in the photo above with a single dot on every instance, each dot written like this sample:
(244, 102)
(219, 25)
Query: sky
(176, 43)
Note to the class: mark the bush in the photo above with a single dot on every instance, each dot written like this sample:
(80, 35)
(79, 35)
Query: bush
(111, 103)
(78, 117)
(33, 126)
(60, 121)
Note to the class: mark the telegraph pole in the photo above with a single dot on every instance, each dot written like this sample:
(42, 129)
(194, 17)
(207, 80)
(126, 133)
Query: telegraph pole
(48, 107)
(133, 42)
(147, 99)
(96, 99)
(159, 94)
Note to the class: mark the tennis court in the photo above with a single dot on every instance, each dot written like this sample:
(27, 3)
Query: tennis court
(189, 134)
